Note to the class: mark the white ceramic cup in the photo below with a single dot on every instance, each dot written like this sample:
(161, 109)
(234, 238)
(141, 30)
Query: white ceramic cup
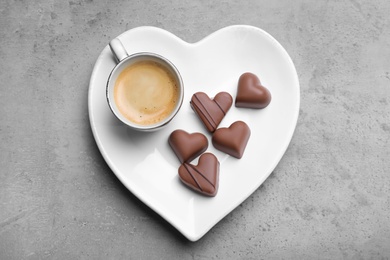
(123, 61)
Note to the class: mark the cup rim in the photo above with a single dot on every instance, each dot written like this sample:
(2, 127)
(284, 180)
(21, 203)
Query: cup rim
(129, 123)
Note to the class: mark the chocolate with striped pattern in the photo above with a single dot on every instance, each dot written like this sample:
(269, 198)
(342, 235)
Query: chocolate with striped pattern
(211, 111)
(204, 177)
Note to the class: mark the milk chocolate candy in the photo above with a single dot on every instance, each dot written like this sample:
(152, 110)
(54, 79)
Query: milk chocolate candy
(211, 111)
(187, 146)
(204, 177)
(232, 140)
(250, 92)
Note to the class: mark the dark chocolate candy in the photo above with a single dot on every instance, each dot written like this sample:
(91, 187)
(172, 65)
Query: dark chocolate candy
(211, 111)
(232, 140)
(250, 92)
(204, 177)
(187, 146)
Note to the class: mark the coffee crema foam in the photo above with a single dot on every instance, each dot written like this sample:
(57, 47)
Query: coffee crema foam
(146, 92)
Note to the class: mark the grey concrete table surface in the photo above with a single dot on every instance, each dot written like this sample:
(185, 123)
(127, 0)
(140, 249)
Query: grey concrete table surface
(328, 198)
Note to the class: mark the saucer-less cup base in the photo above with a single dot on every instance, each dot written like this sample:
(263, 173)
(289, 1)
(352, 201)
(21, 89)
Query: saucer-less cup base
(129, 60)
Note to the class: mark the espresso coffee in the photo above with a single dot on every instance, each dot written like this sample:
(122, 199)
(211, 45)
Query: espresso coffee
(146, 92)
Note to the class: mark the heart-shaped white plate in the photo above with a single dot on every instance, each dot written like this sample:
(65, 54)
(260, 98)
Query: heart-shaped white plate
(145, 163)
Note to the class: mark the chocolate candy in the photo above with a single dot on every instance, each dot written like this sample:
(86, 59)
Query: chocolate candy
(204, 177)
(187, 146)
(211, 111)
(250, 92)
(232, 140)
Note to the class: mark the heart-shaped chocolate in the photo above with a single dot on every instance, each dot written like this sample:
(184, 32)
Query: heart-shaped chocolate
(250, 92)
(232, 140)
(211, 111)
(204, 177)
(187, 146)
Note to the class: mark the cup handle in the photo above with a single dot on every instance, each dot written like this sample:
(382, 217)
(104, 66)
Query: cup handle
(118, 50)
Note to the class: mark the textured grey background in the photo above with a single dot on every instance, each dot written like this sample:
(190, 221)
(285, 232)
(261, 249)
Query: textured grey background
(328, 198)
